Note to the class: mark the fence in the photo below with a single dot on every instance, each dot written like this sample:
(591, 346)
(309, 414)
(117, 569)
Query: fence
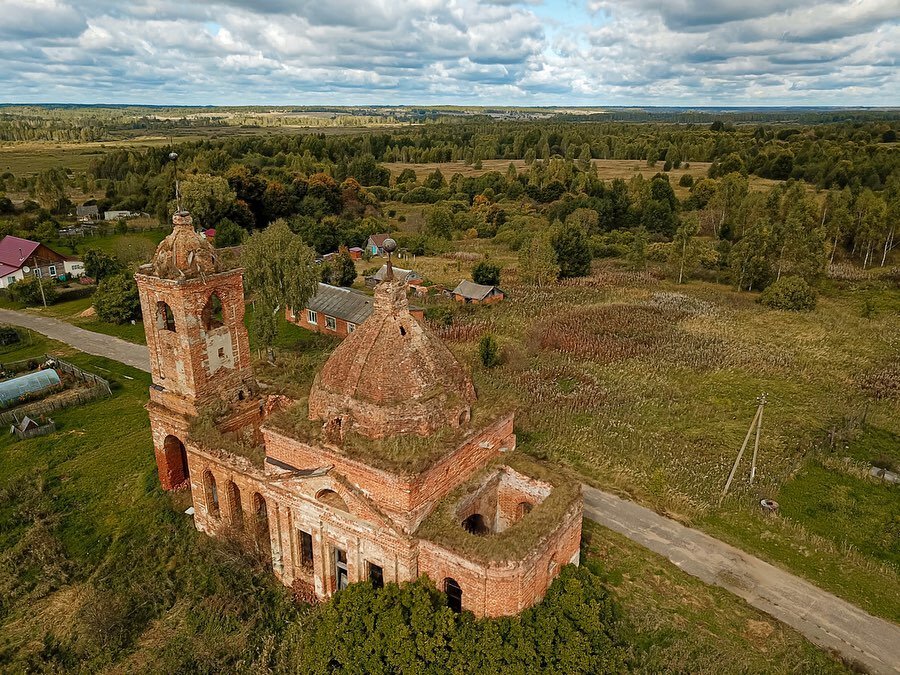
(83, 375)
(42, 430)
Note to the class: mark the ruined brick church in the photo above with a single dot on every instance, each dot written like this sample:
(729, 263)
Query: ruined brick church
(389, 470)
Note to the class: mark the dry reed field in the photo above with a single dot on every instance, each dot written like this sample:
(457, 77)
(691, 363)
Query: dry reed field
(648, 388)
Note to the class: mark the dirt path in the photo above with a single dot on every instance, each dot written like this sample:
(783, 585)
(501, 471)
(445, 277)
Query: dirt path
(84, 340)
(822, 617)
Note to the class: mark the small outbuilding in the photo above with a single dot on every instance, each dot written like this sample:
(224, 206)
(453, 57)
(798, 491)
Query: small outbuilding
(409, 276)
(469, 291)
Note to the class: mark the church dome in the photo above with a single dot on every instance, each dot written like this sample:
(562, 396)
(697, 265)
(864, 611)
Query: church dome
(391, 376)
(184, 254)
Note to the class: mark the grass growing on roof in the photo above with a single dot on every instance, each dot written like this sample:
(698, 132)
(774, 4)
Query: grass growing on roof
(405, 454)
(443, 528)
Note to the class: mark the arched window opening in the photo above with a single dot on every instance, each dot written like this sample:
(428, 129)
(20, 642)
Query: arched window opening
(402, 330)
(165, 319)
(332, 499)
(475, 524)
(176, 460)
(523, 509)
(241, 395)
(212, 494)
(464, 417)
(454, 594)
(212, 313)
(261, 527)
(235, 509)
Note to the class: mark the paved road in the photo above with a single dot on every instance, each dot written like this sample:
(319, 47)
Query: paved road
(85, 340)
(822, 617)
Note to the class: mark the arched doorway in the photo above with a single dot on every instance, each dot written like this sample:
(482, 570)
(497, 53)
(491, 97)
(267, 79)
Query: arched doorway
(176, 460)
(523, 509)
(454, 594)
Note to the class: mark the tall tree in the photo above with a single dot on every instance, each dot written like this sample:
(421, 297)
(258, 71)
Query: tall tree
(836, 218)
(537, 263)
(683, 249)
(573, 255)
(279, 272)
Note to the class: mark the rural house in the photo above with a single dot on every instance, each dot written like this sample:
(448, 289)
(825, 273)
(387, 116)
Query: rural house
(21, 257)
(390, 469)
(469, 291)
(87, 213)
(375, 244)
(335, 310)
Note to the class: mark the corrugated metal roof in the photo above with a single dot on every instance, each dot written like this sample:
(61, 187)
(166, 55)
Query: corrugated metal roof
(473, 291)
(341, 303)
(399, 273)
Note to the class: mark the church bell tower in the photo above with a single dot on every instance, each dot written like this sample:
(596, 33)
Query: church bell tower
(193, 311)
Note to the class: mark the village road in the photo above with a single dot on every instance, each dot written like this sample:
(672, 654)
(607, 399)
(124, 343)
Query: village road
(84, 340)
(822, 617)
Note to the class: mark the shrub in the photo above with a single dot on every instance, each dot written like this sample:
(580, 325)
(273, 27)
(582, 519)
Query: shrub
(791, 293)
(489, 351)
(117, 300)
(486, 273)
(409, 628)
(9, 336)
(441, 315)
(687, 180)
(28, 291)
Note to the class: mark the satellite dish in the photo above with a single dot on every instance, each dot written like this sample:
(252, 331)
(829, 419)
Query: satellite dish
(26, 269)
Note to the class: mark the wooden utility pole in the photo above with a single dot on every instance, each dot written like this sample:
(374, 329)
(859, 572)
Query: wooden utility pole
(757, 418)
(762, 405)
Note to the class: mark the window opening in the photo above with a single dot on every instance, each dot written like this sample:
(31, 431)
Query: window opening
(165, 319)
(376, 575)
(212, 313)
(306, 549)
(340, 569)
(454, 594)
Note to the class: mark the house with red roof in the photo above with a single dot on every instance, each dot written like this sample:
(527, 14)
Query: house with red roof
(21, 257)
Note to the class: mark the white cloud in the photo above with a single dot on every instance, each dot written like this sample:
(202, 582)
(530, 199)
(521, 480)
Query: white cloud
(451, 51)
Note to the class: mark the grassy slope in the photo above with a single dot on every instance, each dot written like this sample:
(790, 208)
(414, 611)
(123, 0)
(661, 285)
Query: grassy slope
(676, 623)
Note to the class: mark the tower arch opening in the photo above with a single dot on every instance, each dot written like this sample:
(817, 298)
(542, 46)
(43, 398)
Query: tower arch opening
(165, 319)
(212, 316)
(176, 460)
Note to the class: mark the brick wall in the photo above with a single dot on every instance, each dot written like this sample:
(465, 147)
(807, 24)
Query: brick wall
(407, 498)
(506, 588)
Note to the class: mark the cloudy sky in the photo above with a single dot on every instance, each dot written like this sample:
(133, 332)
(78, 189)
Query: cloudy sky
(533, 52)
